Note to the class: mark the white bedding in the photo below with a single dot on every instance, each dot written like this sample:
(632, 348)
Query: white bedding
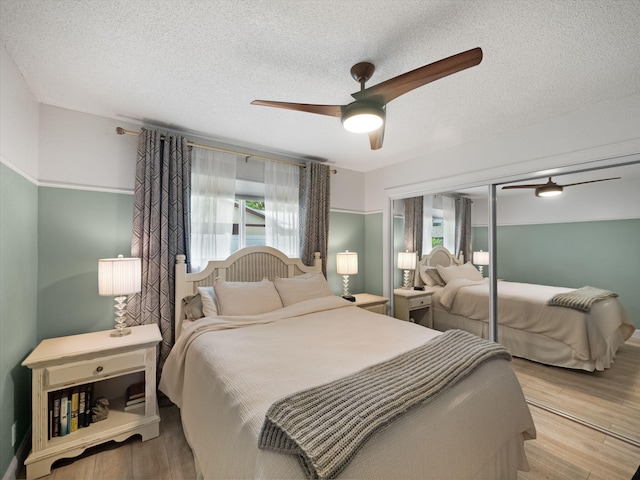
(591, 337)
(225, 372)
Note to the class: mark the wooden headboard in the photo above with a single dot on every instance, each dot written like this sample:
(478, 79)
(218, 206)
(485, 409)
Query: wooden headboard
(250, 264)
(437, 256)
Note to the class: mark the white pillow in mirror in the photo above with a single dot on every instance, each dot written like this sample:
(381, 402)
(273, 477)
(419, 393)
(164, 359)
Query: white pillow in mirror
(454, 272)
(430, 276)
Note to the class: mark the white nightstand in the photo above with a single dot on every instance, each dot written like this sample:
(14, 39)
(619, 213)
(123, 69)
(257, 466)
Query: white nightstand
(373, 303)
(110, 364)
(413, 306)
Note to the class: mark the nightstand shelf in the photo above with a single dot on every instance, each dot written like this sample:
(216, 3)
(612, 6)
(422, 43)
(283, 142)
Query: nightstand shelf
(413, 306)
(373, 303)
(109, 364)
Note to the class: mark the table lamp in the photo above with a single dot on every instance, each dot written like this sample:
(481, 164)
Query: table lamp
(407, 262)
(347, 264)
(119, 277)
(481, 258)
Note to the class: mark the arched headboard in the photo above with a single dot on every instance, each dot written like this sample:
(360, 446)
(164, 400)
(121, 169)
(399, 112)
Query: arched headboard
(437, 256)
(250, 264)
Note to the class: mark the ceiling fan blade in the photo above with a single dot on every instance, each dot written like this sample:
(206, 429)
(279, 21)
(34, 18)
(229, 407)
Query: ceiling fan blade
(386, 91)
(330, 110)
(592, 181)
(376, 138)
(507, 187)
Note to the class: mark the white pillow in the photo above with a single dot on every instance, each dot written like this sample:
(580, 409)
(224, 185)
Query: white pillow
(302, 287)
(454, 272)
(246, 298)
(430, 276)
(208, 297)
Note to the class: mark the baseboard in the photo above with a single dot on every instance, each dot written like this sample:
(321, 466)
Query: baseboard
(17, 463)
(636, 334)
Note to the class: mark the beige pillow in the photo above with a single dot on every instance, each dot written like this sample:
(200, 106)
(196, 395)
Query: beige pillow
(246, 298)
(454, 272)
(302, 287)
(208, 296)
(430, 276)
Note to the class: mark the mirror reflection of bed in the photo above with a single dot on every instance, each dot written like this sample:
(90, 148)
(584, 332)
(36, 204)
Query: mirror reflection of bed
(587, 238)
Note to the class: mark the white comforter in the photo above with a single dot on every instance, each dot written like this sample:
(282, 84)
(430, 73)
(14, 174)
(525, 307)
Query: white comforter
(224, 374)
(524, 306)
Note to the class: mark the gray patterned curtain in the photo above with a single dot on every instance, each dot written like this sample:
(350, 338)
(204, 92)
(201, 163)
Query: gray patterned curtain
(413, 209)
(463, 228)
(160, 228)
(315, 195)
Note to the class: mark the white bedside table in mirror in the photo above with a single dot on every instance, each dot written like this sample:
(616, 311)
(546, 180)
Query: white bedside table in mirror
(73, 368)
(413, 306)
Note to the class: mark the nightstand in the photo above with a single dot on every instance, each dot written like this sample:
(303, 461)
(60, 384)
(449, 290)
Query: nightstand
(373, 303)
(107, 365)
(413, 306)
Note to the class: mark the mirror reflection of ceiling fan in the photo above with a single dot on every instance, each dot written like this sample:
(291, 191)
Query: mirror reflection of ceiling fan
(367, 113)
(551, 189)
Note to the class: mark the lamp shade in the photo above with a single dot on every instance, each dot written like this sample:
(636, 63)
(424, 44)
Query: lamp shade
(347, 263)
(407, 260)
(481, 258)
(119, 276)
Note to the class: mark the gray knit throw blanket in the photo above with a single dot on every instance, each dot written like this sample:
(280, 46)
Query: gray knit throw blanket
(325, 426)
(580, 299)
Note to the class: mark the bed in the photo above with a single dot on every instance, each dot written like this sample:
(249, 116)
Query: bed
(226, 373)
(527, 325)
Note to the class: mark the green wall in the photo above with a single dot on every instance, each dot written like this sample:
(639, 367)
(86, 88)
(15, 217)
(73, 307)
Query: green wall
(76, 228)
(347, 232)
(373, 249)
(18, 305)
(603, 254)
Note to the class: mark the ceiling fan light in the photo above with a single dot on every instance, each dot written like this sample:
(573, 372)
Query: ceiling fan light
(358, 118)
(548, 191)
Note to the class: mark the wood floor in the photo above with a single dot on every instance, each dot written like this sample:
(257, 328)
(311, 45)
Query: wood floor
(563, 450)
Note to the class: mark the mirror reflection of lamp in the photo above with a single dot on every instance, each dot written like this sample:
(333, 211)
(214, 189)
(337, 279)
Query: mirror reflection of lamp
(407, 261)
(347, 264)
(480, 259)
(119, 277)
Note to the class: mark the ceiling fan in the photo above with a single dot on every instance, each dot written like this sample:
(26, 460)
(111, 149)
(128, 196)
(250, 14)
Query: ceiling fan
(367, 113)
(551, 188)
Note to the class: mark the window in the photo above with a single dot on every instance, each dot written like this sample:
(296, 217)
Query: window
(238, 202)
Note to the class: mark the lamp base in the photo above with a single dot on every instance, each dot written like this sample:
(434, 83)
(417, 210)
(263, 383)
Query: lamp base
(121, 328)
(406, 282)
(351, 298)
(120, 332)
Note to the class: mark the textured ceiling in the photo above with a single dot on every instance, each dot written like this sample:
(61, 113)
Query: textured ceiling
(195, 66)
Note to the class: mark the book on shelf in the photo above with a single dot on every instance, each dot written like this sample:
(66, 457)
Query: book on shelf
(134, 401)
(69, 410)
(134, 391)
(65, 407)
(81, 405)
(88, 400)
(134, 406)
(75, 403)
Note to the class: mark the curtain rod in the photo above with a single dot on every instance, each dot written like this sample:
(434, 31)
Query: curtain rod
(122, 131)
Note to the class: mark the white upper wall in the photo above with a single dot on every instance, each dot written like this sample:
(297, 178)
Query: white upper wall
(595, 131)
(79, 150)
(613, 200)
(18, 120)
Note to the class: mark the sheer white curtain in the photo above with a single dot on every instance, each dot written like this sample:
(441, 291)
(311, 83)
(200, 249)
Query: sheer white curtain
(449, 223)
(427, 224)
(213, 180)
(281, 205)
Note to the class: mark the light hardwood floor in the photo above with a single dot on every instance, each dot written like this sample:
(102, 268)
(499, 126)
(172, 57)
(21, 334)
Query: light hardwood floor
(563, 449)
